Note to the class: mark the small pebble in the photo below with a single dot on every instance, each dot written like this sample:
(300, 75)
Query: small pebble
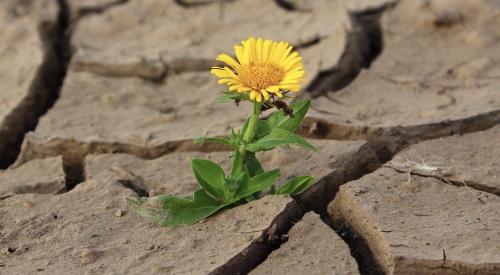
(88, 256)
(28, 204)
(119, 213)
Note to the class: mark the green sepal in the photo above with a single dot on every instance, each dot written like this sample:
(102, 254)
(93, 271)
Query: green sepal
(295, 185)
(278, 137)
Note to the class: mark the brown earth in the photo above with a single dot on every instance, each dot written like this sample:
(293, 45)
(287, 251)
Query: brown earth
(106, 97)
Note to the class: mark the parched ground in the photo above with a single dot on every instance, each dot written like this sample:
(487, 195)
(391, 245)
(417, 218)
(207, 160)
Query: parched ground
(101, 99)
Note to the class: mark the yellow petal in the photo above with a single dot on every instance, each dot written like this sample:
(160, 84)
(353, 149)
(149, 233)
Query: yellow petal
(279, 52)
(228, 60)
(230, 73)
(220, 72)
(265, 50)
(293, 76)
(272, 49)
(252, 96)
(243, 89)
(290, 87)
(278, 93)
(250, 48)
(258, 97)
(238, 50)
(290, 57)
(228, 81)
(265, 94)
(273, 89)
(258, 49)
(292, 62)
(234, 87)
(285, 55)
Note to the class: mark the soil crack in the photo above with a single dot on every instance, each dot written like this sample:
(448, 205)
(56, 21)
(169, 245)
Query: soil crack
(364, 44)
(44, 88)
(86, 11)
(270, 239)
(360, 251)
(74, 153)
(449, 181)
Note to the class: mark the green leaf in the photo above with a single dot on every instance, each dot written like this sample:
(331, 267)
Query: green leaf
(253, 165)
(278, 137)
(245, 126)
(295, 185)
(241, 180)
(219, 140)
(211, 177)
(282, 121)
(257, 183)
(173, 211)
(237, 164)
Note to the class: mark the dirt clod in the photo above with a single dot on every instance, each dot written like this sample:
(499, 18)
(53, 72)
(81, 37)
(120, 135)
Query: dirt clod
(88, 256)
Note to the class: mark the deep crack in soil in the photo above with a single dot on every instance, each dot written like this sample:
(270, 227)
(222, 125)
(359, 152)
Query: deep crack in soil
(44, 88)
(367, 264)
(364, 44)
(270, 240)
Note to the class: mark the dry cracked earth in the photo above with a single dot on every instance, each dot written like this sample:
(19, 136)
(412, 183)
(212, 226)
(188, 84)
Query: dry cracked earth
(101, 99)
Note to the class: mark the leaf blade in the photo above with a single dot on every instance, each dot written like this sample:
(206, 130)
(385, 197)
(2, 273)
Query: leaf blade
(258, 183)
(282, 121)
(210, 177)
(219, 140)
(253, 165)
(295, 185)
(278, 137)
(174, 211)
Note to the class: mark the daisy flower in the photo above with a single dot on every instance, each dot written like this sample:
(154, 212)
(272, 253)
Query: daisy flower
(262, 68)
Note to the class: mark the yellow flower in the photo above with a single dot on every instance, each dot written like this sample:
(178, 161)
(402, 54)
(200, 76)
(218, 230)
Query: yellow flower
(263, 67)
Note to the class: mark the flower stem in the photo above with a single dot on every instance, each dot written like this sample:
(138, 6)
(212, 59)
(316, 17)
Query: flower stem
(249, 132)
(252, 123)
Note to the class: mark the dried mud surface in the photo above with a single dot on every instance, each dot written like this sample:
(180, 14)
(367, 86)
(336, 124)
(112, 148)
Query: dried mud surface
(54, 233)
(107, 96)
(439, 229)
(438, 67)
(312, 248)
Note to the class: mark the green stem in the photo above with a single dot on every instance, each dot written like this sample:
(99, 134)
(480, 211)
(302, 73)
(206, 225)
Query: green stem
(247, 137)
(252, 123)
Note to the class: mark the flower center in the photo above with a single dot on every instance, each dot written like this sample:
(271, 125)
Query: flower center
(260, 75)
